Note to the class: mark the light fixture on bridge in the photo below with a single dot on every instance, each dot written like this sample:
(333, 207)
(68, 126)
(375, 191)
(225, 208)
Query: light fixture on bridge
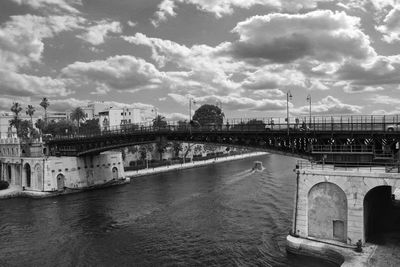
(288, 98)
(309, 100)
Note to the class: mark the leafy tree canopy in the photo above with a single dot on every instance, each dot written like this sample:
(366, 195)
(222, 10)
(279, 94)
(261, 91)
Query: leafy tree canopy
(90, 126)
(160, 122)
(209, 114)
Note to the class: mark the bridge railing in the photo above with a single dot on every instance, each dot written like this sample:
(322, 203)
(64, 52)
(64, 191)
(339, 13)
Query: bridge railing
(344, 123)
(393, 167)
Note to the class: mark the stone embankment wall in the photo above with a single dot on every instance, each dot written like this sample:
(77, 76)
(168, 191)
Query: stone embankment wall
(334, 205)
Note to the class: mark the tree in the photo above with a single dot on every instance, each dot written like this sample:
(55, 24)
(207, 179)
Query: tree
(209, 115)
(161, 146)
(40, 124)
(16, 121)
(90, 126)
(144, 149)
(177, 147)
(159, 122)
(59, 128)
(30, 110)
(45, 104)
(77, 115)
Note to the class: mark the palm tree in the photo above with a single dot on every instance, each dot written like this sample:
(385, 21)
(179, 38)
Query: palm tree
(16, 109)
(30, 110)
(78, 115)
(159, 122)
(45, 104)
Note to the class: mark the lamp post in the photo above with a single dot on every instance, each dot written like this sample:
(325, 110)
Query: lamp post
(288, 98)
(309, 100)
(191, 100)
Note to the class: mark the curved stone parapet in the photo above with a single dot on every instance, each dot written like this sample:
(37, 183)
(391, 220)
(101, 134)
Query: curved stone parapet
(341, 256)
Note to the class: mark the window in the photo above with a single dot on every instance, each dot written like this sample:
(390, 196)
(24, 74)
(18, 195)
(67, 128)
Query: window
(122, 114)
(129, 113)
(338, 229)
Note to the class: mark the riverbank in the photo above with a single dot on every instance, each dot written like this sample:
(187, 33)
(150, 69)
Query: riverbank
(193, 164)
(17, 191)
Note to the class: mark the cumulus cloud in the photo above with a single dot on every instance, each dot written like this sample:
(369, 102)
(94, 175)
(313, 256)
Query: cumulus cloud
(21, 38)
(265, 78)
(232, 102)
(12, 83)
(223, 7)
(391, 25)
(384, 99)
(119, 72)
(200, 68)
(383, 70)
(52, 5)
(96, 34)
(329, 105)
(320, 35)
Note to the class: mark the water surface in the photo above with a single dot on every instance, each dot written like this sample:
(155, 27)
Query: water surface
(219, 215)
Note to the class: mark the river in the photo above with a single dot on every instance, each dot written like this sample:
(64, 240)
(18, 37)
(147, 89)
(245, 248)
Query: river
(219, 215)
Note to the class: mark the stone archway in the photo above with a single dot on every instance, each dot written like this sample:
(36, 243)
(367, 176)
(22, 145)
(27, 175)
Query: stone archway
(60, 182)
(377, 211)
(327, 212)
(115, 173)
(39, 176)
(9, 173)
(28, 172)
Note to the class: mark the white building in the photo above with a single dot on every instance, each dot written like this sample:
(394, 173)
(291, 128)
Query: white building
(113, 118)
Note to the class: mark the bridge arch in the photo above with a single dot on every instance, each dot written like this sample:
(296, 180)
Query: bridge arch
(327, 212)
(377, 206)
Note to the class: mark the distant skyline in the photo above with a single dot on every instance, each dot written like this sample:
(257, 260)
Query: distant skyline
(245, 55)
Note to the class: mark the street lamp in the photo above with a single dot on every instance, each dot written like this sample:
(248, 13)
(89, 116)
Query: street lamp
(191, 100)
(288, 98)
(309, 100)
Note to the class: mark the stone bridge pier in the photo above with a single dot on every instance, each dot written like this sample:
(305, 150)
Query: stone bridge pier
(342, 206)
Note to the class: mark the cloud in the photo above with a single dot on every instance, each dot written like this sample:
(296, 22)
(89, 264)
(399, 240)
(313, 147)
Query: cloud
(329, 105)
(391, 27)
(320, 35)
(383, 70)
(384, 99)
(95, 34)
(15, 84)
(200, 69)
(131, 23)
(225, 7)
(125, 73)
(21, 38)
(232, 102)
(265, 78)
(52, 5)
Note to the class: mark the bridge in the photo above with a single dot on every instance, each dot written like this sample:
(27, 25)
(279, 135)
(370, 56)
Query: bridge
(348, 139)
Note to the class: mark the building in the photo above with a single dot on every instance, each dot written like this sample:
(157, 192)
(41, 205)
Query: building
(26, 167)
(113, 118)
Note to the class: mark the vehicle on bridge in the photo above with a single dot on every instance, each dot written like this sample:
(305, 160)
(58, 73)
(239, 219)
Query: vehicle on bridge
(393, 127)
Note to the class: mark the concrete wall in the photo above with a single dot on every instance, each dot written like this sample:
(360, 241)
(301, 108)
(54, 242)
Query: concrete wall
(79, 172)
(355, 185)
(75, 172)
(327, 212)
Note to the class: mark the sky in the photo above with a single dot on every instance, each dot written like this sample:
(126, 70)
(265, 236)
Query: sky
(245, 56)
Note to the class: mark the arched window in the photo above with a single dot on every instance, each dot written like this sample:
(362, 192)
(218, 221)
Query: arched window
(28, 172)
(115, 173)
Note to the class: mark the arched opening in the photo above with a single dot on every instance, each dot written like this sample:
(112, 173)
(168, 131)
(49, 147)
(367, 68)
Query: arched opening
(327, 212)
(27, 169)
(381, 214)
(9, 173)
(60, 182)
(39, 176)
(115, 173)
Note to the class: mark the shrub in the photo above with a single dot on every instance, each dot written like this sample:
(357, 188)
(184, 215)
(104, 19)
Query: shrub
(4, 185)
